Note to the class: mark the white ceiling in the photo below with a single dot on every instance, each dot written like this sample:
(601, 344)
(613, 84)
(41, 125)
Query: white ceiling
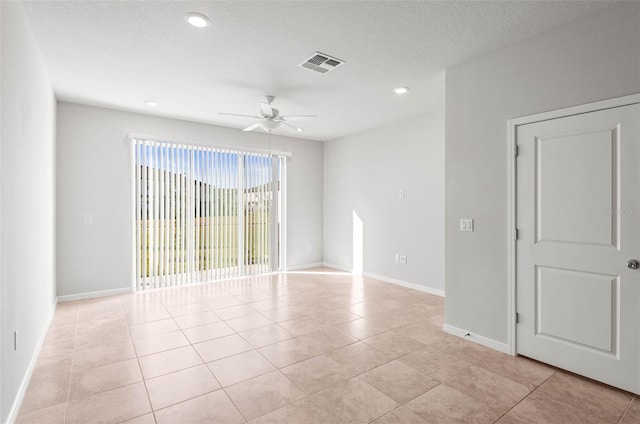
(120, 53)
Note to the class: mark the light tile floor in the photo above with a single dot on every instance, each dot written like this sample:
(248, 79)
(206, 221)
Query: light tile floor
(303, 348)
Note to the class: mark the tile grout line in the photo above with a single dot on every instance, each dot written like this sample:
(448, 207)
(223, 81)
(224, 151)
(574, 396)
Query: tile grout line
(400, 405)
(72, 354)
(633, 399)
(264, 357)
(205, 363)
(247, 292)
(144, 381)
(526, 397)
(75, 336)
(202, 359)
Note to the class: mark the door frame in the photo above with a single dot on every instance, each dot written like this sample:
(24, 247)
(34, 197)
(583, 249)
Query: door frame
(512, 131)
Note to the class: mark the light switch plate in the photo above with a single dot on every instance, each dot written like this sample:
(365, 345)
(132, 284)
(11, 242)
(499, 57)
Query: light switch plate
(466, 224)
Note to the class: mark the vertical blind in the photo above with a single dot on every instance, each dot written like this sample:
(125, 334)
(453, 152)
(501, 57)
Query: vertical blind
(204, 214)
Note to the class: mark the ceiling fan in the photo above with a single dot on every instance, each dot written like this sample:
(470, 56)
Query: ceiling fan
(270, 118)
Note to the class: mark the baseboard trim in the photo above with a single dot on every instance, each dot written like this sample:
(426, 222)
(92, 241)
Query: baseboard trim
(17, 402)
(476, 338)
(91, 295)
(304, 266)
(395, 281)
(406, 284)
(338, 267)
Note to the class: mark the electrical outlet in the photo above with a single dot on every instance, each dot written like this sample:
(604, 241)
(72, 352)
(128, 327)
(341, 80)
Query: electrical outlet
(88, 219)
(397, 258)
(403, 259)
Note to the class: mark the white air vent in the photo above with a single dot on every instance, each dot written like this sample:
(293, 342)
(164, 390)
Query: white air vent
(321, 62)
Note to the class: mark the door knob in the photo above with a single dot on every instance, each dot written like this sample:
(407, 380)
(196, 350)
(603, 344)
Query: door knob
(633, 264)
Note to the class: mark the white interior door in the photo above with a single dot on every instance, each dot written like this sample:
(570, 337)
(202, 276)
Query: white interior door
(578, 218)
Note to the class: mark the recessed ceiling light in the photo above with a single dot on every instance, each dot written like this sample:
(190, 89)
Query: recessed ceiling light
(401, 90)
(299, 129)
(198, 20)
(151, 103)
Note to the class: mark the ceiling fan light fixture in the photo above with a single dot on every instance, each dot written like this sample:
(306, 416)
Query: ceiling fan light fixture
(401, 90)
(269, 125)
(198, 20)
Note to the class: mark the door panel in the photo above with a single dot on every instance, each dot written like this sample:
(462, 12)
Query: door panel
(566, 211)
(592, 322)
(578, 215)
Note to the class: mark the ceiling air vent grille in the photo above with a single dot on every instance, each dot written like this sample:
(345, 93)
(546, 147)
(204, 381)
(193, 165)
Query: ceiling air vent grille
(321, 62)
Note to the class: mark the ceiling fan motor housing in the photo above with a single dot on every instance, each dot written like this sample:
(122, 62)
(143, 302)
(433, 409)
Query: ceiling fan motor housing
(275, 113)
(270, 118)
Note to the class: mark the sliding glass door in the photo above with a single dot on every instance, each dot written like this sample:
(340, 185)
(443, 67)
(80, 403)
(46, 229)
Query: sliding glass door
(205, 214)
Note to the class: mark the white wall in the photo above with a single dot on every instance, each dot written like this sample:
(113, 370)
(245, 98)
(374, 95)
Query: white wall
(364, 173)
(94, 177)
(584, 61)
(27, 196)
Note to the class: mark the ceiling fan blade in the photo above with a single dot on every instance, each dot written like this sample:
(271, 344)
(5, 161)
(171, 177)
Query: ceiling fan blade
(252, 127)
(266, 109)
(291, 126)
(293, 118)
(236, 114)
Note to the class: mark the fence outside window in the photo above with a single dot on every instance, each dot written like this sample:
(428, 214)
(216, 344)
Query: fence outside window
(204, 214)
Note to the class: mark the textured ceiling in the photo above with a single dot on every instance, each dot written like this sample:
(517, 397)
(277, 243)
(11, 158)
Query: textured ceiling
(120, 53)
